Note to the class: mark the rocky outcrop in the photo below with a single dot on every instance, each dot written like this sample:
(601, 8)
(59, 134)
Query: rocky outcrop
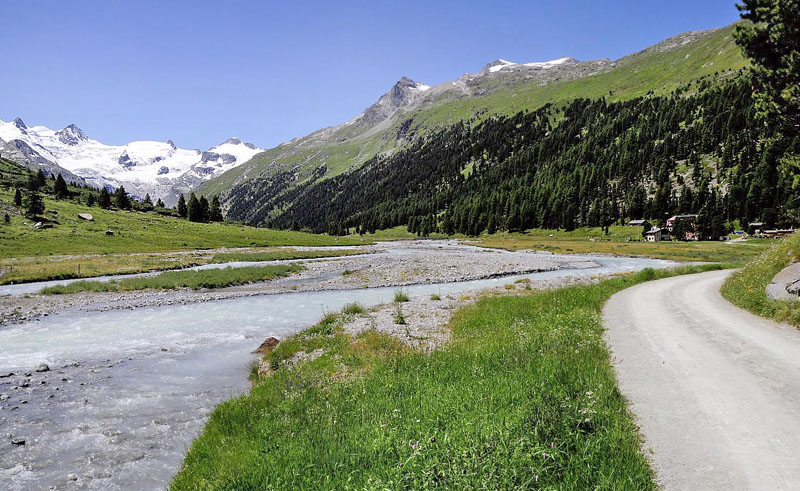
(786, 284)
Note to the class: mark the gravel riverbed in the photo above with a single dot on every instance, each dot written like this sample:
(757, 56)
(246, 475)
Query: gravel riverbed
(398, 263)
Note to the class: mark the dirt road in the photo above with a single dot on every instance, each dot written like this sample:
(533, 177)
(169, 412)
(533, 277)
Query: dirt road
(715, 390)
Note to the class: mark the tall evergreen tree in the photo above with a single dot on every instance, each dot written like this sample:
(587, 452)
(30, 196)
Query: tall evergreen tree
(41, 179)
(182, 210)
(60, 187)
(121, 198)
(195, 209)
(105, 199)
(35, 205)
(17, 197)
(772, 42)
(216, 209)
(204, 209)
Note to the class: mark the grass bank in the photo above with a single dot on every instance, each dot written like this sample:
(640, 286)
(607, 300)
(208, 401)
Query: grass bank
(172, 280)
(524, 396)
(42, 268)
(624, 241)
(746, 287)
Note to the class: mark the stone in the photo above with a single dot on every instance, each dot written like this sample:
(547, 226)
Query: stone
(72, 477)
(86, 216)
(42, 367)
(18, 441)
(268, 345)
(109, 232)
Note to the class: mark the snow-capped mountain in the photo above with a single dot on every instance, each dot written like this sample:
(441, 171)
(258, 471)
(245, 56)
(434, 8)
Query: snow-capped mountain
(159, 168)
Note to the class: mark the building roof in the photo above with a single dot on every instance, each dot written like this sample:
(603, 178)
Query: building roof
(637, 222)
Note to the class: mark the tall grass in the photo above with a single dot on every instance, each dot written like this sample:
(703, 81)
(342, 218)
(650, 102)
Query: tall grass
(524, 396)
(172, 280)
(747, 287)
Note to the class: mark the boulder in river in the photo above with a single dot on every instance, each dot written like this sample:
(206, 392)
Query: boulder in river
(43, 367)
(268, 345)
(18, 441)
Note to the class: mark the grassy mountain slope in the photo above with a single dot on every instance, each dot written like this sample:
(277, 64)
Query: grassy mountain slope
(660, 69)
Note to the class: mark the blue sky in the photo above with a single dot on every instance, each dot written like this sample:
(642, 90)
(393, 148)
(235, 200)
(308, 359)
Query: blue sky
(198, 72)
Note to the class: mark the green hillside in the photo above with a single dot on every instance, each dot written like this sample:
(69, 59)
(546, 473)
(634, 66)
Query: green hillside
(659, 69)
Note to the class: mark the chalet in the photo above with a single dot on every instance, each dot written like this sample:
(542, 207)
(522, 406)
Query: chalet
(691, 219)
(637, 223)
(654, 235)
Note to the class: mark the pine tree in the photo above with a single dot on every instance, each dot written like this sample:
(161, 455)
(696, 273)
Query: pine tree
(195, 209)
(204, 209)
(105, 199)
(160, 203)
(35, 205)
(41, 179)
(121, 198)
(148, 202)
(182, 210)
(60, 187)
(772, 42)
(90, 199)
(216, 209)
(17, 197)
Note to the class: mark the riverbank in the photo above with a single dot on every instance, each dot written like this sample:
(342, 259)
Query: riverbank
(141, 382)
(397, 264)
(522, 395)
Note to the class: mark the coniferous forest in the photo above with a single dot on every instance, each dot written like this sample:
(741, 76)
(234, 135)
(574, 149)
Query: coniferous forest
(699, 150)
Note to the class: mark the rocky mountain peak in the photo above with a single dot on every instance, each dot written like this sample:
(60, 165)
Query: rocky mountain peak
(20, 124)
(404, 94)
(71, 135)
(233, 141)
(172, 144)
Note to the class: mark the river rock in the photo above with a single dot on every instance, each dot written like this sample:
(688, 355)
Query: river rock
(18, 441)
(268, 345)
(42, 367)
(6, 375)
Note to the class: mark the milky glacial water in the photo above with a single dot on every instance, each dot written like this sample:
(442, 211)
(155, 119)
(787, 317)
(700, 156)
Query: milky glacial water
(129, 390)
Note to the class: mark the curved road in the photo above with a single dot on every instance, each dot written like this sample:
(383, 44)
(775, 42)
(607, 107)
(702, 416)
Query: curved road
(715, 390)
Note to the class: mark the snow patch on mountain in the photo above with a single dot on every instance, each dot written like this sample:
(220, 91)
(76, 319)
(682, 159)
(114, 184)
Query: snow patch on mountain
(142, 166)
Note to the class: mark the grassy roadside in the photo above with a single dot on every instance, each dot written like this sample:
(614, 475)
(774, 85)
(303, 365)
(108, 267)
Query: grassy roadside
(42, 268)
(172, 280)
(746, 287)
(523, 396)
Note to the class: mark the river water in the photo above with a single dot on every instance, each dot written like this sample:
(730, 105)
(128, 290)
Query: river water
(128, 390)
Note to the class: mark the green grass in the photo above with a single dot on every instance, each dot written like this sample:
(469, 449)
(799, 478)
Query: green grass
(524, 396)
(40, 268)
(400, 296)
(173, 280)
(623, 241)
(136, 232)
(746, 287)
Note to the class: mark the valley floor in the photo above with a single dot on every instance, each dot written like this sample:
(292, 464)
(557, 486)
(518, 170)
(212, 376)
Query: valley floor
(397, 264)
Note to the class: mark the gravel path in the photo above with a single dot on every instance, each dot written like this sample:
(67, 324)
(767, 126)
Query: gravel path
(715, 389)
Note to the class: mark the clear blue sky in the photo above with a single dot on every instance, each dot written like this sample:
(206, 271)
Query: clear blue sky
(198, 72)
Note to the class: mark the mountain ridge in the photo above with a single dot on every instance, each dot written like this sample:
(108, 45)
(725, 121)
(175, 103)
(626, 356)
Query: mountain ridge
(160, 169)
(330, 151)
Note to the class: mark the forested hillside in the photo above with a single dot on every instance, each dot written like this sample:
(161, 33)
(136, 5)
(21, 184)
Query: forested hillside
(699, 149)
